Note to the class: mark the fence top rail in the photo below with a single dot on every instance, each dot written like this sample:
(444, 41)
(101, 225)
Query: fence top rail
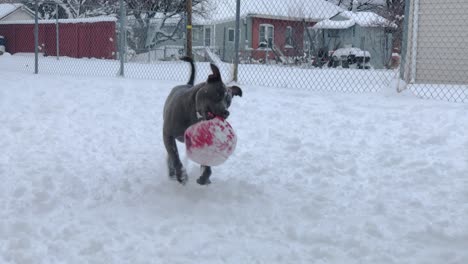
(63, 21)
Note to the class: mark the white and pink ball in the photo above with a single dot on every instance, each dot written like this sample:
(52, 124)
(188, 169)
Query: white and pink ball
(210, 142)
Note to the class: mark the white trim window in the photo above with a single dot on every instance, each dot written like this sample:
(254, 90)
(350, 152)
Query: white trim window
(267, 35)
(196, 32)
(231, 34)
(207, 37)
(289, 37)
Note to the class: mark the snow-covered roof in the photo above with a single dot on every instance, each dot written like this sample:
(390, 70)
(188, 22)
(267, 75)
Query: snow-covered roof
(6, 9)
(312, 10)
(363, 19)
(334, 24)
(64, 21)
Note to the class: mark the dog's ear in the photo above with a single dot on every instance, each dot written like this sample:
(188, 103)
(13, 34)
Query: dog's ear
(235, 90)
(216, 76)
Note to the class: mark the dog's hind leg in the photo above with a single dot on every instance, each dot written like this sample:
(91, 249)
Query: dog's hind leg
(205, 177)
(171, 168)
(176, 170)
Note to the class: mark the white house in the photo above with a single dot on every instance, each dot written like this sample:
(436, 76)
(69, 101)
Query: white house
(13, 12)
(436, 48)
(363, 30)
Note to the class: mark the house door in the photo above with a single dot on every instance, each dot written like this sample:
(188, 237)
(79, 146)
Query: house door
(363, 43)
(267, 34)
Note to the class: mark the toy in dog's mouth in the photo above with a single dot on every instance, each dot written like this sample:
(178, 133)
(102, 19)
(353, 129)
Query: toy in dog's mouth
(209, 114)
(210, 142)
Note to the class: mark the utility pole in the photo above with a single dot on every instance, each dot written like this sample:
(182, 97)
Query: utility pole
(189, 28)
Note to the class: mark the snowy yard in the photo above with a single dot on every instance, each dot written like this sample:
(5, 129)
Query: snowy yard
(317, 177)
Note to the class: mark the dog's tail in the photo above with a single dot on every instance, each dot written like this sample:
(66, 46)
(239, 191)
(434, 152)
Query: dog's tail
(192, 68)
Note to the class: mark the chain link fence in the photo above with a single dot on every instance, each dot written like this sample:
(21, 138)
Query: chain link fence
(298, 44)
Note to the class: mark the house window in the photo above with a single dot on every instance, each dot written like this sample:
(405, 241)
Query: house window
(207, 37)
(333, 33)
(181, 33)
(196, 34)
(267, 33)
(289, 36)
(231, 35)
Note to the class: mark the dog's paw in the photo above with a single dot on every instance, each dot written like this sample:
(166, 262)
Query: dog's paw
(172, 174)
(203, 181)
(171, 171)
(182, 177)
(172, 177)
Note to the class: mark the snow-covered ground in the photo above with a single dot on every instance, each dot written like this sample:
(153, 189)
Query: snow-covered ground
(317, 177)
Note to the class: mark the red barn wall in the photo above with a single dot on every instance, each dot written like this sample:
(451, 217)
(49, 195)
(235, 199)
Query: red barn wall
(76, 40)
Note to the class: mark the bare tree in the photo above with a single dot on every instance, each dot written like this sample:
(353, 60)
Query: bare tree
(362, 5)
(394, 12)
(65, 9)
(156, 21)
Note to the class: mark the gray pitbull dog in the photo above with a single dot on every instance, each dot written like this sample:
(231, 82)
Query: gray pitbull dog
(189, 104)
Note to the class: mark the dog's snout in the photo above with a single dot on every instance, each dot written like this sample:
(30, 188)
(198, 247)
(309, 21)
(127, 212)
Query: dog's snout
(225, 113)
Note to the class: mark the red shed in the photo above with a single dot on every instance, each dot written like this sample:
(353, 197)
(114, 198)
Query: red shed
(78, 38)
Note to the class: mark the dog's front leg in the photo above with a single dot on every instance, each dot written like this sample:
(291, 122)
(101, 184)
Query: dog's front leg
(205, 177)
(176, 170)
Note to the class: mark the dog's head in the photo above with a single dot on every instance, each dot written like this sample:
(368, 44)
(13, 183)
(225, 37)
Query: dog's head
(214, 97)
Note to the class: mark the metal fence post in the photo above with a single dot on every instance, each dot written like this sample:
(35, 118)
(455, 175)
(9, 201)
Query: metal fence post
(122, 38)
(224, 43)
(57, 34)
(236, 43)
(184, 33)
(414, 41)
(404, 41)
(36, 37)
(149, 55)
